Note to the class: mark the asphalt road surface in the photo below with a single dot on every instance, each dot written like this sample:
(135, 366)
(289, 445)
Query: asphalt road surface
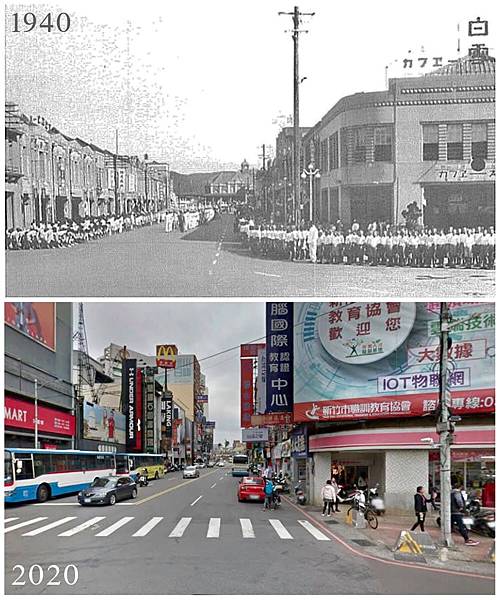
(194, 537)
(211, 262)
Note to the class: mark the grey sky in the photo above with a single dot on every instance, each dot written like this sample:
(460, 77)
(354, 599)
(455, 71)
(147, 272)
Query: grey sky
(196, 328)
(199, 83)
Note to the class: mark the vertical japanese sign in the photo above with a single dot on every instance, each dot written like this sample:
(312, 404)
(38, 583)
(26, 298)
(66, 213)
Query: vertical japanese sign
(129, 390)
(279, 357)
(247, 388)
(149, 414)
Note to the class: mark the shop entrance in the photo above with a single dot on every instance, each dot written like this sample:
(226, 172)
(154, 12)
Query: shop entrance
(371, 204)
(459, 205)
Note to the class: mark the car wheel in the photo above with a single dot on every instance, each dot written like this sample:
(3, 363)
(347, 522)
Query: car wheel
(156, 475)
(112, 499)
(43, 493)
(134, 493)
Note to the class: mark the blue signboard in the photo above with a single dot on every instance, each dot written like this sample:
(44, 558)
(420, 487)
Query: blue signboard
(279, 357)
(299, 442)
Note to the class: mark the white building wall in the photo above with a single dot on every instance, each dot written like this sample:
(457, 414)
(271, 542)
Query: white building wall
(322, 471)
(404, 471)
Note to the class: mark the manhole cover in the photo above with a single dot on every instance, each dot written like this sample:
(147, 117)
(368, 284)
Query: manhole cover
(363, 542)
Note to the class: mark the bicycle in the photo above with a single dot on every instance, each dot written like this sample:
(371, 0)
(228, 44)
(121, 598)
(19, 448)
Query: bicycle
(368, 514)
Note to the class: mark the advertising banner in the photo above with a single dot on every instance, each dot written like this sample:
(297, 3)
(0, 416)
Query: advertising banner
(210, 424)
(250, 350)
(103, 424)
(21, 414)
(279, 357)
(359, 360)
(37, 320)
(246, 399)
(255, 435)
(298, 440)
(166, 356)
(202, 398)
(129, 391)
(261, 382)
(167, 417)
(272, 419)
(149, 410)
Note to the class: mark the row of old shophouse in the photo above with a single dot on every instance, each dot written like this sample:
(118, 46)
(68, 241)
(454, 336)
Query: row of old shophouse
(50, 176)
(426, 139)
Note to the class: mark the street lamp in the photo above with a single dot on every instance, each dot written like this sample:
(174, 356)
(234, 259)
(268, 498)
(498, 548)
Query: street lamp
(311, 172)
(37, 388)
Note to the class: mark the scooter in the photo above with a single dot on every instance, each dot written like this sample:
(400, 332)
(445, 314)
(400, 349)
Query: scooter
(346, 497)
(300, 496)
(142, 480)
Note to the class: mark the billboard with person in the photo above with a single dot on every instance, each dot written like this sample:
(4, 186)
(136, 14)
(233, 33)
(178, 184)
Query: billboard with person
(37, 320)
(361, 360)
(103, 424)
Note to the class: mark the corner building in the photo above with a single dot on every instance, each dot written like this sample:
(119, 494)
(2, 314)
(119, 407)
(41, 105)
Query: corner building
(427, 139)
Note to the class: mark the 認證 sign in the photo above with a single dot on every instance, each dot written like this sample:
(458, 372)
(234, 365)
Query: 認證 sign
(279, 357)
(356, 360)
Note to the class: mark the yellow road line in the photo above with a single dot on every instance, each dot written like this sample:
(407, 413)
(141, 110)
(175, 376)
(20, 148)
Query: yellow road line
(175, 487)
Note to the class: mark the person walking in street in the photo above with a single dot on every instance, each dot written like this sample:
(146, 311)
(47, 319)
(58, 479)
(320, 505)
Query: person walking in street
(420, 508)
(268, 491)
(329, 497)
(457, 513)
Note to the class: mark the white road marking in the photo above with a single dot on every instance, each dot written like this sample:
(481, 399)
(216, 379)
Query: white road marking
(193, 503)
(214, 262)
(246, 528)
(112, 528)
(319, 535)
(25, 524)
(267, 274)
(49, 526)
(212, 486)
(221, 478)
(81, 527)
(181, 527)
(280, 529)
(213, 528)
(11, 519)
(145, 529)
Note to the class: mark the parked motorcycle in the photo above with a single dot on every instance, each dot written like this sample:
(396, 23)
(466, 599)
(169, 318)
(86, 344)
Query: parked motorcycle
(346, 496)
(300, 496)
(281, 484)
(375, 501)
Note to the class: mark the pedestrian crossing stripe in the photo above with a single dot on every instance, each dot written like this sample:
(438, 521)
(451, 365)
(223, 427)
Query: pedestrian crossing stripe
(213, 531)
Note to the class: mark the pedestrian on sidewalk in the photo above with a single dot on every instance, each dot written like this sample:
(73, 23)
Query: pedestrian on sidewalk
(420, 508)
(329, 497)
(337, 499)
(457, 513)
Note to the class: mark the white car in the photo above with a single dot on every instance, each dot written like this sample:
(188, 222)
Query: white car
(190, 473)
(221, 464)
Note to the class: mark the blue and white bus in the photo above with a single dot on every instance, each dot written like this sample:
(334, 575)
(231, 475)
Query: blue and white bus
(42, 474)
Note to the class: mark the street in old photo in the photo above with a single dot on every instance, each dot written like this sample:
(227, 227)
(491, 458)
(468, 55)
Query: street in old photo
(252, 448)
(305, 161)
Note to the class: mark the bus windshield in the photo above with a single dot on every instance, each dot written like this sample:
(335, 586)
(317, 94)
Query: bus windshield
(240, 459)
(8, 468)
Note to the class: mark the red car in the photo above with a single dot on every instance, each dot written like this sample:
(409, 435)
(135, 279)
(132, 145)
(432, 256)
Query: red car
(251, 488)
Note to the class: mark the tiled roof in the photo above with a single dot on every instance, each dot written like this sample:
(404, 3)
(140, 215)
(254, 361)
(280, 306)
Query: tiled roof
(467, 66)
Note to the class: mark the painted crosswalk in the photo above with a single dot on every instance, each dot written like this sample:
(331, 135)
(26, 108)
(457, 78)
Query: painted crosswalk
(213, 527)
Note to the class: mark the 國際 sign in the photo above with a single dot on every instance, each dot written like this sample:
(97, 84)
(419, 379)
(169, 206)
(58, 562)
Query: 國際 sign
(166, 356)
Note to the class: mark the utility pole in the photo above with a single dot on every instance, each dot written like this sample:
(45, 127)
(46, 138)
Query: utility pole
(445, 430)
(296, 14)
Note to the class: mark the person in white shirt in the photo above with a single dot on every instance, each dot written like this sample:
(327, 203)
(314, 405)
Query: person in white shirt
(312, 240)
(329, 497)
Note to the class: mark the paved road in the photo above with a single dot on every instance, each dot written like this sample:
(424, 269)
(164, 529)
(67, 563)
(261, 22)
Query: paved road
(193, 537)
(211, 262)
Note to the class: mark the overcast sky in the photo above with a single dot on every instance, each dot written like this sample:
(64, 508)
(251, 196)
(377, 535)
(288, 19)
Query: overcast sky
(199, 83)
(196, 328)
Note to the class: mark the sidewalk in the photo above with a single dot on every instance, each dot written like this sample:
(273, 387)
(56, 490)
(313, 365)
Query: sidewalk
(381, 541)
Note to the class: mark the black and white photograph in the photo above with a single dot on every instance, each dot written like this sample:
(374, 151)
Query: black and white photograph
(221, 149)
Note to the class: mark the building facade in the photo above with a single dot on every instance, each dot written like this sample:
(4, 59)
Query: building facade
(38, 375)
(428, 140)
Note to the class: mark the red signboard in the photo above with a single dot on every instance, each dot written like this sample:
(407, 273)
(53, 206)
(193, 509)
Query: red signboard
(246, 392)
(166, 356)
(272, 419)
(37, 320)
(409, 405)
(250, 350)
(21, 414)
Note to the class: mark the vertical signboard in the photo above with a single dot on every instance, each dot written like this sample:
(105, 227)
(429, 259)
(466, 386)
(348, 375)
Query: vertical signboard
(261, 382)
(129, 387)
(167, 410)
(149, 413)
(246, 392)
(279, 357)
